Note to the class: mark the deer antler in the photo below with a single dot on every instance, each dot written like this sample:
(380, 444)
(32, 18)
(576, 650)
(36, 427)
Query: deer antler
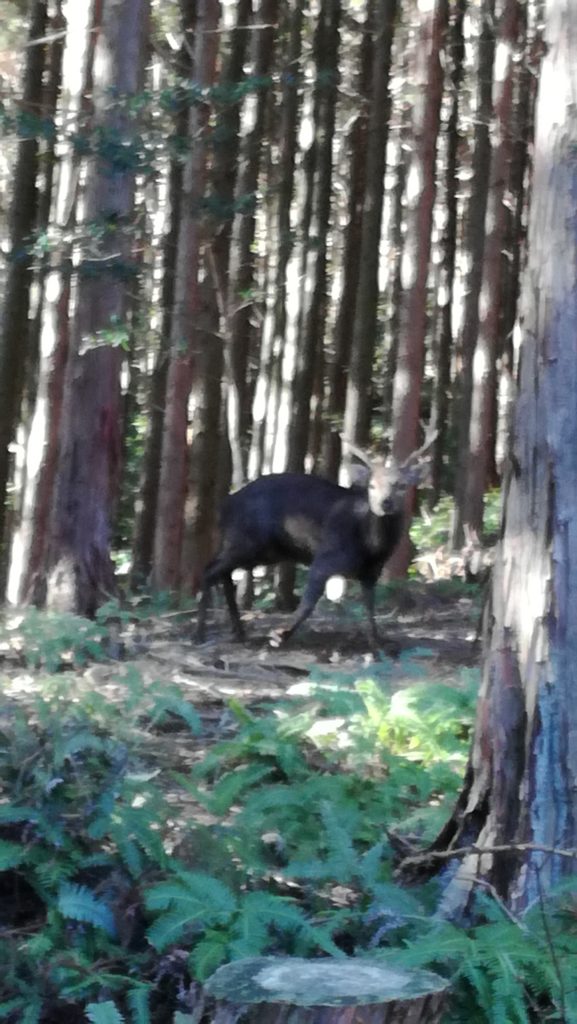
(357, 452)
(416, 456)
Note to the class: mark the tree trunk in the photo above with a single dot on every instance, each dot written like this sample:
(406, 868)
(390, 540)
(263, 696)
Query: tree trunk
(224, 173)
(269, 384)
(358, 398)
(474, 246)
(428, 78)
(443, 348)
(520, 786)
(484, 374)
(27, 580)
(306, 312)
(396, 244)
(80, 568)
(47, 166)
(242, 261)
(356, 150)
(515, 246)
(147, 504)
(187, 304)
(14, 329)
(313, 277)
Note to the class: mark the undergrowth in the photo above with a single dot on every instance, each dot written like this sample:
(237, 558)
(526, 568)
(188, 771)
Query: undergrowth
(127, 878)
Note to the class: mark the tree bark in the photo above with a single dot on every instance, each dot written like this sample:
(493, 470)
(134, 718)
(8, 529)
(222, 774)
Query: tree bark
(187, 304)
(474, 232)
(358, 405)
(147, 504)
(484, 374)
(269, 384)
(515, 243)
(242, 259)
(27, 580)
(428, 79)
(443, 347)
(313, 276)
(14, 329)
(521, 781)
(80, 568)
(356, 149)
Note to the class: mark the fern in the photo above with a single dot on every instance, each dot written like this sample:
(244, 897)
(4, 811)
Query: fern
(174, 705)
(104, 1013)
(138, 1000)
(191, 900)
(209, 953)
(9, 1007)
(80, 904)
(11, 855)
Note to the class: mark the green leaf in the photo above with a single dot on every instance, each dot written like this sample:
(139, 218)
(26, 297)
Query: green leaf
(80, 904)
(138, 1000)
(104, 1013)
(208, 954)
(11, 854)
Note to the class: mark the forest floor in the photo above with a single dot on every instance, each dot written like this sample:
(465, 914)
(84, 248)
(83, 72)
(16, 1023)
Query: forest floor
(115, 732)
(435, 622)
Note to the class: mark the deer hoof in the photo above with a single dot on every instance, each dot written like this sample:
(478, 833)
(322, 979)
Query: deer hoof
(278, 637)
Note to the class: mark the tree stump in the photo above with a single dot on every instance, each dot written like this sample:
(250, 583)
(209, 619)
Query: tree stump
(288, 990)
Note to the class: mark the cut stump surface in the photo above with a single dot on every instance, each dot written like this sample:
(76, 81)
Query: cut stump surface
(285, 990)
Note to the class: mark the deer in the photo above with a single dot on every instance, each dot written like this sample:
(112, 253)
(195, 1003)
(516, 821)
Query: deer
(306, 519)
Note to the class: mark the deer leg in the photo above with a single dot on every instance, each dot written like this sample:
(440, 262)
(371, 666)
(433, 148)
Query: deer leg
(230, 596)
(200, 635)
(368, 592)
(313, 591)
(218, 572)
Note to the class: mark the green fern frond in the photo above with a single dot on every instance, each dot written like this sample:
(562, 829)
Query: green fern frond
(176, 706)
(80, 904)
(138, 1000)
(232, 785)
(208, 954)
(169, 929)
(11, 1006)
(193, 891)
(104, 1013)
(32, 1013)
(12, 855)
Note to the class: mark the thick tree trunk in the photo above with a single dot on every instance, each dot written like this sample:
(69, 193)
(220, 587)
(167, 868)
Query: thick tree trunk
(428, 78)
(481, 426)
(474, 246)
(187, 304)
(27, 579)
(521, 783)
(14, 328)
(80, 568)
(358, 399)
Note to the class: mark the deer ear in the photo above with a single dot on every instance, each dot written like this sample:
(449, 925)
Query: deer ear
(415, 475)
(359, 474)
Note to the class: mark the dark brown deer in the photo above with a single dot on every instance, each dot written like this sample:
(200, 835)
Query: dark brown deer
(295, 517)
